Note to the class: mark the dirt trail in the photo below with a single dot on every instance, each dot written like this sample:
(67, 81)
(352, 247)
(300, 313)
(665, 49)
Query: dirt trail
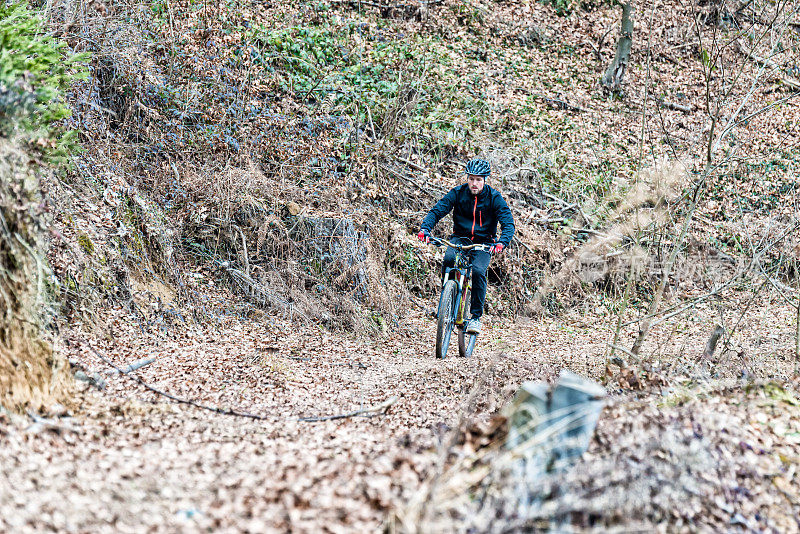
(140, 462)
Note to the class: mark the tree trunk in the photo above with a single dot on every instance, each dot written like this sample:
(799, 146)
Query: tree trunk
(711, 344)
(797, 323)
(612, 79)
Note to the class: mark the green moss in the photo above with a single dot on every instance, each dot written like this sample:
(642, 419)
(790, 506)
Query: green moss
(777, 392)
(410, 267)
(678, 397)
(133, 217)
(86, 244)
(379, 321)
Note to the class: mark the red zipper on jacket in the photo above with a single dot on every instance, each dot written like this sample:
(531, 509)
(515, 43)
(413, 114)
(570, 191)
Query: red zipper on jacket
(480, 218)
(473, 216)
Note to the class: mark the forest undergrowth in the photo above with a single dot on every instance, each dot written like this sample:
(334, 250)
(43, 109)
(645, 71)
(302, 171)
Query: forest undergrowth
(234, 190)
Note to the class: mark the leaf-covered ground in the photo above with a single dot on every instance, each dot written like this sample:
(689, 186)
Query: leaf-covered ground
(127, 460)
(439, 86)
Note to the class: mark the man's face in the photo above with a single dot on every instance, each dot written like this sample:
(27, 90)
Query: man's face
(475, 183)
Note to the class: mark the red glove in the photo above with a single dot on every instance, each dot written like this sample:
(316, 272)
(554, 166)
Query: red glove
(497, 248)
(424, 236)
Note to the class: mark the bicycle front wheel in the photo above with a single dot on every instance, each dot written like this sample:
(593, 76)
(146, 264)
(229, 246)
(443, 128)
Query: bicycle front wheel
(446, 315)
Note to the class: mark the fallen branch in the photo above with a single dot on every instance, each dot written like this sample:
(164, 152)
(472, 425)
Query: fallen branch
(547, 220)
(245, 256)
(788, 80)
(138, 364)
(410, 164)
(43, 423)
(515, 239)
(360, 3)
(671, 105)
(408, 179)
(91, 378)
(589, 231)
(378, 409)
(561, 104)
(179, 400)
(561, 201)
(625, 350)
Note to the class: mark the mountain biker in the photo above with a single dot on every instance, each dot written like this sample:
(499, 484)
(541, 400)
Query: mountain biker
(477, 208)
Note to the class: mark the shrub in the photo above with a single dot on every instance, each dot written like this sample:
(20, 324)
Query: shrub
(35, 71)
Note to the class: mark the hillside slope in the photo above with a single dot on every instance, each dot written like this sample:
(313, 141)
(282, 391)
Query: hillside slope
(244, 211)
(212, 130)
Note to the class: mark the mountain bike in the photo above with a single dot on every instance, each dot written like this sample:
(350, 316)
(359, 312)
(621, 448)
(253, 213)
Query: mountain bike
(455, 299)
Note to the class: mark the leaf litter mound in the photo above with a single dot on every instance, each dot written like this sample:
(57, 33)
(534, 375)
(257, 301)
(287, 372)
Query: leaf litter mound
(702, 460)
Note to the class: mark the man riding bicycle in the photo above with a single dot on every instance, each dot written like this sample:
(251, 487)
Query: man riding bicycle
(477, 208)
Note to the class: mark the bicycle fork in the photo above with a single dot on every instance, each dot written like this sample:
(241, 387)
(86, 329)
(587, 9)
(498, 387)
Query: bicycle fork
(463, 287)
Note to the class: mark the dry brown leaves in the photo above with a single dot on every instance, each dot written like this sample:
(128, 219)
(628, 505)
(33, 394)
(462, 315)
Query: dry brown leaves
(137, 461)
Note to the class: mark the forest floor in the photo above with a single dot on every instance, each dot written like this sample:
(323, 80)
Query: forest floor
(723, 438)
(126, 460)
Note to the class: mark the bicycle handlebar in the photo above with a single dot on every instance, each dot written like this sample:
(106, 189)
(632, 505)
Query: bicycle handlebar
(480, 246)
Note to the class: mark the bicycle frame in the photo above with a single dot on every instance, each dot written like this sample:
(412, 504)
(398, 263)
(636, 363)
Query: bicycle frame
(461, 273)
(452, 305)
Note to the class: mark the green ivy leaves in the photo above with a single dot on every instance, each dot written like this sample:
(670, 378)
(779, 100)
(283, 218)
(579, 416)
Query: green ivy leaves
(35, 71)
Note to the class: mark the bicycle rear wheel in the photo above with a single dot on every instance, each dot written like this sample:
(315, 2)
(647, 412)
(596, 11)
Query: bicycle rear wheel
(446, 313)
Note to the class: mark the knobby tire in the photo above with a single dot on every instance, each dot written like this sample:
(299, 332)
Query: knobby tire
(444, 326)
(466, 342)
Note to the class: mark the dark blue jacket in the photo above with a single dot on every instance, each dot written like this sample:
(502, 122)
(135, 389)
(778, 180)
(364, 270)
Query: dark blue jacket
(475, 217)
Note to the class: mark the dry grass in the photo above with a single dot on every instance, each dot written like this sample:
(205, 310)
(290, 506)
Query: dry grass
(653, 466)
(31, 376)
(310, 264)
(609, 257)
